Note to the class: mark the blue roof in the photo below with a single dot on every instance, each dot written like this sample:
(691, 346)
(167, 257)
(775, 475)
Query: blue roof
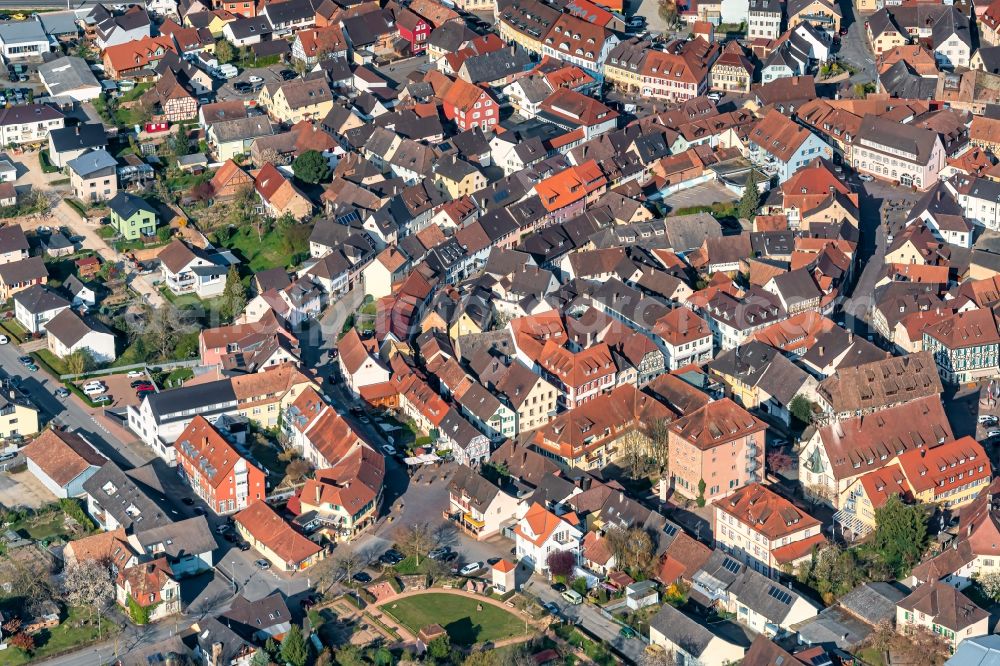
(92, 162)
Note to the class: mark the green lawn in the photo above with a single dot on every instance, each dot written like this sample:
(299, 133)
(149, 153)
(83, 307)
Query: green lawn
(41, 527)
(136, 92)
(272, 251)
(14, 328)
(458, 615)
(53, 361)
(871, 656)
(60, 639)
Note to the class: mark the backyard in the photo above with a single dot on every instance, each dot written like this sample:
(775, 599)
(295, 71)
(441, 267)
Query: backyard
(75, 630)
(458, 614)
(279, 248)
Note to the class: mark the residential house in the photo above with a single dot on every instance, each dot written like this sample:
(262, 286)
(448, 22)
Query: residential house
(779, 146)
(13, 244)
(965, 346)
(541, 532)
(36, 305)
(67, 333)
(684, 337)
(691, 642)
(297, 100)
(896, 152)
(279, 196)
(29, 123)
(136, 59)
(700, 441)
(359, 362)
(942, 610)
(216, 471)
(93, 176)
(479, 506)
(835, 455)
(150, 585)
(18, 417)
(189, 269)
(17, 276)
(132, 216)
(764, 530)
(67, 143)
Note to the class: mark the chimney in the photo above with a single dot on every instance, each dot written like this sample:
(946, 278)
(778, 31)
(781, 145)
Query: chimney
(821, 350)
(850, 337)
(319, 494)
(78, 130)
(216, 654)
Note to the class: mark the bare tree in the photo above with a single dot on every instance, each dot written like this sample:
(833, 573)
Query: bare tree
(658, 432)
(88, 584)
(415, 540)
(634, 447)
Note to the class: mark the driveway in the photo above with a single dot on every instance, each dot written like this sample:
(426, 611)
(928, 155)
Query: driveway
(592, 620)
(23, 489)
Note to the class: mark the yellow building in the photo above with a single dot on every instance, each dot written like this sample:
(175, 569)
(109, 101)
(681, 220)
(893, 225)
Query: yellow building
(458, 178)
(294, 101)
(17, 418)
(824, 14)
(623, 67)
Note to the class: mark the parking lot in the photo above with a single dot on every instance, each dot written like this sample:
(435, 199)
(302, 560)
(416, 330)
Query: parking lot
(118, 388)
(267, 75)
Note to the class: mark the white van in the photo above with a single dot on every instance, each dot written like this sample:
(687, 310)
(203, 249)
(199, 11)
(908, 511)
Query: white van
(228, 71)
(94, 390)
(92, 383)
(573, 597)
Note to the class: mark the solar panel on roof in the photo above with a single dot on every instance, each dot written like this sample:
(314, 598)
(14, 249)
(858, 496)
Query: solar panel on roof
(670, 529)
(779, 594)
(731, 565)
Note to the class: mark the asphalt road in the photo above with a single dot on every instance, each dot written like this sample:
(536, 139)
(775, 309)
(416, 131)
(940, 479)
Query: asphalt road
(69, 412)
(592, 620)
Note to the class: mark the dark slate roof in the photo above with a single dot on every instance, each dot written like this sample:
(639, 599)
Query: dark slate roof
(37, 299)
(126, 205)
(496, 65)
(79, 137)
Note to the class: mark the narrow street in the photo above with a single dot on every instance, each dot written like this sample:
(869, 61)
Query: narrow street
(591, 619)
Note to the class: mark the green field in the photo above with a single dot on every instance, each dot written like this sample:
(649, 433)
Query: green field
(458, 615)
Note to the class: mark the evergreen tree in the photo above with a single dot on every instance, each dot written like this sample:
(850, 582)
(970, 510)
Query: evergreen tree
(311, 167)
(235, 295)
(294, 650)
(751, 198)
(900, 533)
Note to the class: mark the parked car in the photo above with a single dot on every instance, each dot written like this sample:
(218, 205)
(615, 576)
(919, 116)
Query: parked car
(188, 501)
(865, 178)
(362, 577)
(493, 560)
(101, 399)
(25, 360)
(987, 419)
(287, 75)
(388, 450)
(94, 389)
(62, 392)
(627, 632)
(993, 433)
(470, 568)
(263, 564)
(135, 373)
(439, 553)
(559, 587)
(141, 382)
(255, 79)
(222, 529)
(244, 546)
(552, 607)
(391, 557)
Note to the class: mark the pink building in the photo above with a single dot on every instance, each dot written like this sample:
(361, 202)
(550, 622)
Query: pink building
(716, 449)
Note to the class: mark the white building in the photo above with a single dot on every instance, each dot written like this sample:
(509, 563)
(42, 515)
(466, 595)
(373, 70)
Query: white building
(23, 39)
(35, 306)
(68, 334)
(29, 123)
(540, 533)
